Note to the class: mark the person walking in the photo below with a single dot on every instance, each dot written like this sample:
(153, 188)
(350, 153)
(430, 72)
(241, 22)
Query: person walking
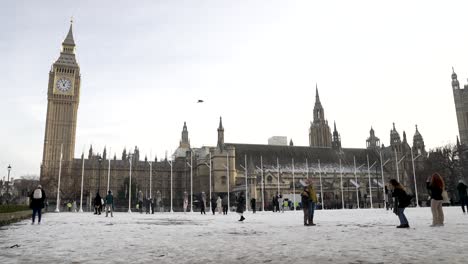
(253, 204)
(97, 204)
(109, 203)
(213, 204)
(435, 185)
(219, 205)
(402, 200)
(305, 204)
(461, 187)
(185, 205)
(312, 202)
(241, 206)
(280, 203)
(225, 205)
(140, 201)
(37, 197)
(203, 203)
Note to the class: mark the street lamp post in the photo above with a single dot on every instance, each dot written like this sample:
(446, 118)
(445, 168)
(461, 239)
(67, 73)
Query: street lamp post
(82, 181)
(397, 162)
(246, 183)
(209, 167)
(370, 183)
(170, 164)
(341, 183)
(108, 171)
(382, 164)
(8, 182)
(99, 173)
(262, 183)
(191, 181)
(414, 176)
(321, 189)
(57, 210)
(294, 186)
(357, 184)
(130, 184)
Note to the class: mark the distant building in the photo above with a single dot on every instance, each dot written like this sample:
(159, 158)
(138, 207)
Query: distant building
(342, 175)
(278, 141)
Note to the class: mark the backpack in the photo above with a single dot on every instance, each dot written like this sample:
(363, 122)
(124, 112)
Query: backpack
(37, 194)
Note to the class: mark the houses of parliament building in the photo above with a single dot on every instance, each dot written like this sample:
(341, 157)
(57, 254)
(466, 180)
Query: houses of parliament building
(342, 176)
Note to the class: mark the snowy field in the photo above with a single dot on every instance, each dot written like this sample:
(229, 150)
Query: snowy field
(341, 236)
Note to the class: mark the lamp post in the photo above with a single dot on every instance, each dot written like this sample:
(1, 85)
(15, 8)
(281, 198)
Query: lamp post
(151, 176)
(414, 176)
(321, 189)
(278, 168)
(130, 184)
(170, 164)
(262, 183)
(370, 183)
(8, 182)
(209, 166)
(99, 173)
(246, 183)
(294, 186)
(355, 178)
(382, 164)
(341, 183)
(108, 171)
(57, 210)
(82, 181)
(397, 162)
(227, 173)
(191, 180)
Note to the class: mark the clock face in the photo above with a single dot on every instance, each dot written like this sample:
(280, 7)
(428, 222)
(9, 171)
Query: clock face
(63, 84)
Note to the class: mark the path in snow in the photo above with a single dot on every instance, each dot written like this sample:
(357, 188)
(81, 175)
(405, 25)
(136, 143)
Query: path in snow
(341, 236)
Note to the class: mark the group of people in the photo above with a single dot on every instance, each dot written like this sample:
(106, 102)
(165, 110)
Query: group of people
(436, 188)
(107, 203)
(398, 195)
(278, 203)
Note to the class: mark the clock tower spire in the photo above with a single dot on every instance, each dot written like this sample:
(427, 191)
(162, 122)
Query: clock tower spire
(63, 96)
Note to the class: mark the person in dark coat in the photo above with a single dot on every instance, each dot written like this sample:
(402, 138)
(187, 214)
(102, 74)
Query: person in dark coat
(241, 206)
(461, 187)
(37, 197)
(305, 204)
(109, 203)
(225, 205)
(202, 203)
(253, 204)
(213, 204)
(435, 185)
(97, 204)
(402, 200)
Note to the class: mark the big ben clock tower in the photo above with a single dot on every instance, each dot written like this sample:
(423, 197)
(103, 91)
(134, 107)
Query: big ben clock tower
(63, 96)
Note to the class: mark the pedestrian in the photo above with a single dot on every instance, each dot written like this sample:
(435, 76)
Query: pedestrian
(312, 201)
(305, 204)
(140, 201)
(203, 203)
(461, 187)
(280, 203)
(69, 206)
(213, 204)
(97, 204)
(147, 205)
(37, 197)
(109, 203)
(274, 201)
(225, 205)
(435, 185)
(152, 205)
(253, 204)
(402, 200)
(185, 205)
(241, 206)
(219, 205)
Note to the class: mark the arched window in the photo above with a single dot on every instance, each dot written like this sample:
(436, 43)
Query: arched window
(269, 179)
(223, 180)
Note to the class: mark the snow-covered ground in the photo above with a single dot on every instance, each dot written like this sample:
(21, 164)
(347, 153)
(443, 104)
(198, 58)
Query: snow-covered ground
(341, 236)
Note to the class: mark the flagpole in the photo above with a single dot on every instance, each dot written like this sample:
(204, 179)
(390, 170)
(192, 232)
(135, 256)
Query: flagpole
(57, 210)
(321, 189)
(108, 170)
(355, 177)
(246, 186)
(82, 180)
(294, 185)
(277, 165)
(341, 180)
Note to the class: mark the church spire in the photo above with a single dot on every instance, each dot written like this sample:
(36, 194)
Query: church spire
(336, 141)
(69, 41)
(184, 142)
(318, 109)
(220, 134)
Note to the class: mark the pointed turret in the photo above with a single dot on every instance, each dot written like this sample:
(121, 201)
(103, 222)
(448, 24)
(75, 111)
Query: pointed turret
(372, 141)
(69, 41)
(90, 153)
(184, 142)
(455, 83)
(336, 141)
(418, 143)
(319, 132)
(291, 142)
(318, 109)
(220, 134)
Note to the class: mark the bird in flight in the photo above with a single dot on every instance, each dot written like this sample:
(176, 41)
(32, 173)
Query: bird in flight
(200, 101)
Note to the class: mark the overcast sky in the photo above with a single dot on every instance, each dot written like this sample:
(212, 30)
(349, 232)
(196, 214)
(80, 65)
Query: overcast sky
(145, 64)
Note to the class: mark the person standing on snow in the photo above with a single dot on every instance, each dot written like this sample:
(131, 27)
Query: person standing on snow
(312, 202)
(97, 204)
(225, 205)
(109, 203)
(185, 205)
(203, 203)
(435, 184)
(253, 204)
(219, 205)
(140, 201)
(241, 206)
(280, 203)
(213, 204)
(305, 204)
(402, 200)
(37, 197)
(461, 187)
